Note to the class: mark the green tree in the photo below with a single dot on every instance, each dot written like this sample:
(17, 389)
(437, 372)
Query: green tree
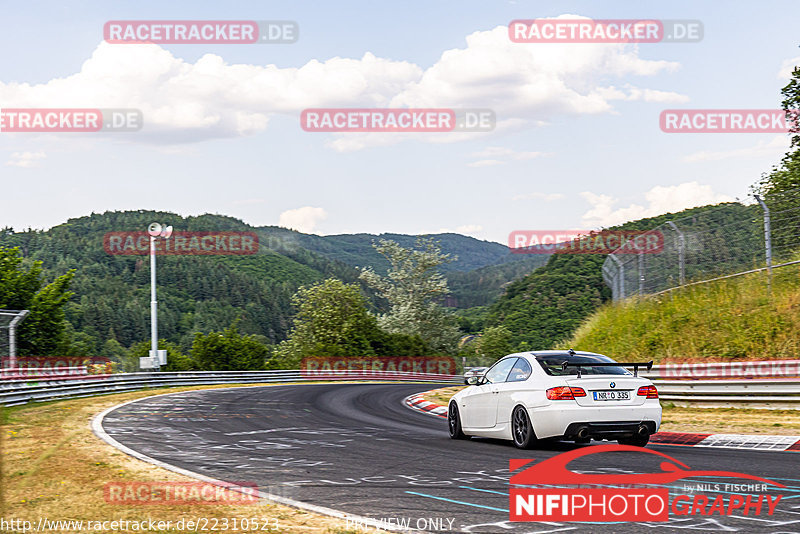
(332, 320)
(116, 353)
(785, 177)
(495, 342)
(412, 287)
(228, 351)
(791, 104)
(42, 331)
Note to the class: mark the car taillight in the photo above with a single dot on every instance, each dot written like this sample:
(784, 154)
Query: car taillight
(648, 391)
(565, 393)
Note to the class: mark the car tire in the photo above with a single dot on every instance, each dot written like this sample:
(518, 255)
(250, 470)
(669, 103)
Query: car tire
(636, 441)
(521, 429)
(454, 422)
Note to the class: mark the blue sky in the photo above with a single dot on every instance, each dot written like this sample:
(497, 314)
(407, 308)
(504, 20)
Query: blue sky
(577, 144)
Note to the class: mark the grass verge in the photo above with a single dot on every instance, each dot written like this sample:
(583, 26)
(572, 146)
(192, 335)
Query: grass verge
(53, 466)
(732, 319)
(702, 420)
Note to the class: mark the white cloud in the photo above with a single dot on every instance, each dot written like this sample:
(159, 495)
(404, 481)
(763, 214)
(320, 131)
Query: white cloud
(497, 151)
(494, 152)
(631, 93)
(546, 197)
(464, 229)
(349, 142)
(185, 102)
(303, 219)
(25, 159)
(659, 200)
(776, 147)
(486, 163)
(469, 228)
(535, 81)
(788, 65)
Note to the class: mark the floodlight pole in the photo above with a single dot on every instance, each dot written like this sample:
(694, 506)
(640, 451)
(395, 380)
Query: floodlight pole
(153, 304)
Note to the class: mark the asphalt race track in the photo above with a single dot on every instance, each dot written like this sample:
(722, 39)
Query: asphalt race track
(358, 449)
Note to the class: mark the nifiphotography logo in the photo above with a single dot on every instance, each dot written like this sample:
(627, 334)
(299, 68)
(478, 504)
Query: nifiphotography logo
(629, 497)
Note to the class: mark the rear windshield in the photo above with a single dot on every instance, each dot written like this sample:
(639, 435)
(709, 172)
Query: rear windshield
(551, 363)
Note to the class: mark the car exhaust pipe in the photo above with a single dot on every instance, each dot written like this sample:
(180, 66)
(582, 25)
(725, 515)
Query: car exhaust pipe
(583, 432)
(643, 431)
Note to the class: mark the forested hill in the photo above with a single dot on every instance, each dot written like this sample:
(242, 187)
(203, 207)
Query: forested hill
(196, 293)
(207, 293)
(357, 250)
(478, 275)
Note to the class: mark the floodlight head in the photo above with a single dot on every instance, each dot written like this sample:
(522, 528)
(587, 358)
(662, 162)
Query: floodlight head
(154, 229)
(166, 232)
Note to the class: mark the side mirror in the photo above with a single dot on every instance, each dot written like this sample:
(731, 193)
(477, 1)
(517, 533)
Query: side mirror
(472, 380)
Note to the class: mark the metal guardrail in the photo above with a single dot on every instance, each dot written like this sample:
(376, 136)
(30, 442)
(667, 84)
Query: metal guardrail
(21, 391)
(777, 393)
(769, 369)
(10, 373)
(770, 394)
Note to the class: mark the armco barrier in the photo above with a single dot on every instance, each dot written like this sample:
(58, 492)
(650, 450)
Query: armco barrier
(21, 391)
(770, 394)
(751, 392)
(738, 369)
(11, 373)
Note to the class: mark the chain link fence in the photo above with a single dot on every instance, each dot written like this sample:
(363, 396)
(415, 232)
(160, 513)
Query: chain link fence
(731, 239)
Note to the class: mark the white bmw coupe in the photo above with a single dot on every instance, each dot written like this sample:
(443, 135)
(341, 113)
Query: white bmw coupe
(569, 395)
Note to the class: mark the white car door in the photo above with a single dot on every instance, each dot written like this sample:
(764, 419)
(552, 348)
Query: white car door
(479, 404)
(520, 372)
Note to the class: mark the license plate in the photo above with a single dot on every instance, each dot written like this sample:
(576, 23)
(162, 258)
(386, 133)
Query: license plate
(611, 395)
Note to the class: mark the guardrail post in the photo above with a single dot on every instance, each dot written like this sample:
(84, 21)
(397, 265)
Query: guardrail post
(767, 241)
(641, 273)
(620, 293)
(681, 253)
(12, 337)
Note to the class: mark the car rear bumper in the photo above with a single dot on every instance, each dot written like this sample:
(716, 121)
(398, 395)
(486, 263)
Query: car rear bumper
(559, 420)
(608, 430)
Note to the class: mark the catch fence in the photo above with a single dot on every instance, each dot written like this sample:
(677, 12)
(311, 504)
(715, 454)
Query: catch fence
(729, 240)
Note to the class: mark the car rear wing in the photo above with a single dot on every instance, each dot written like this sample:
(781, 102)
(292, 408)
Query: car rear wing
(635, 366)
